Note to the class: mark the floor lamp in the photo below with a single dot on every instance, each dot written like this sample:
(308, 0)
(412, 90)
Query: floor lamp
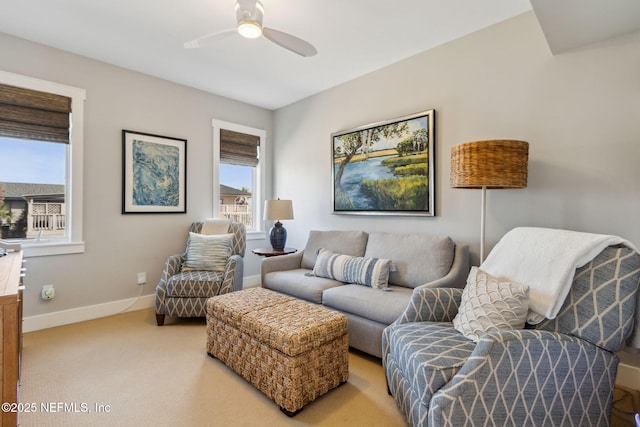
(488, 165)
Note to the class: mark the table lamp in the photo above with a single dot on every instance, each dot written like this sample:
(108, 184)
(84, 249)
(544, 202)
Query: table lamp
(278, 210)
(493, 164)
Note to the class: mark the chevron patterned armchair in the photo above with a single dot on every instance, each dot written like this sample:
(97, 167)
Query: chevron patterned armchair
(560, 372)
(184, 293)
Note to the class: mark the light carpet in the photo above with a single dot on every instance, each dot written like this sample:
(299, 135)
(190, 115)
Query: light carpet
(125, 371)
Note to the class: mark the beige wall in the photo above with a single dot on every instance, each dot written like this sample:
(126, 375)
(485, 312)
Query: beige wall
(580, 112)
(118, 246)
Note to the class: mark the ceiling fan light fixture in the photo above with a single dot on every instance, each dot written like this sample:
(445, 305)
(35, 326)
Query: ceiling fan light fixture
(249, 15)
(250, 29)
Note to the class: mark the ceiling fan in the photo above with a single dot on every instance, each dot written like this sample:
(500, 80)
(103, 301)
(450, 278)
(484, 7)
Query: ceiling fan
(249, 14)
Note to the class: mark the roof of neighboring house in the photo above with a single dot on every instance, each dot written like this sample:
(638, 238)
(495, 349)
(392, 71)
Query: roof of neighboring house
(18, 190)
(225, 190)
(13, 190)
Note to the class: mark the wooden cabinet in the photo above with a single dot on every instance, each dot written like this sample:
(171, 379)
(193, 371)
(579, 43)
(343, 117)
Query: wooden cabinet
(11, 331)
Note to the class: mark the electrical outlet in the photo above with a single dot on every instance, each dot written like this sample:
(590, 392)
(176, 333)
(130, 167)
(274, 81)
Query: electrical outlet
(142, 278)
(48, 292)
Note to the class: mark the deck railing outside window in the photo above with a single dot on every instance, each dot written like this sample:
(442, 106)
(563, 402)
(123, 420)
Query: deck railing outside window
(238, 213)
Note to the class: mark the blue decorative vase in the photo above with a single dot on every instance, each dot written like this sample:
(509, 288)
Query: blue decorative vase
(278, 236)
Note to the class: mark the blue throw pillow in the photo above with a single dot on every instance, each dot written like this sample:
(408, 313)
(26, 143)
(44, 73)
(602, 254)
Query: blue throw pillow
(372, 272)
(207, 252)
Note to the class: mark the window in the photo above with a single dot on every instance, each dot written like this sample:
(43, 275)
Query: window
(41, 138)
(238, 159)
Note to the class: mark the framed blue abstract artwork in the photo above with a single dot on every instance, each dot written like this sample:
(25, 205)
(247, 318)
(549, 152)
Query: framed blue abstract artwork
(154, 178)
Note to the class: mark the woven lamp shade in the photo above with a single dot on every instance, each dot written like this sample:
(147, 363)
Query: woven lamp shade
(492, 164)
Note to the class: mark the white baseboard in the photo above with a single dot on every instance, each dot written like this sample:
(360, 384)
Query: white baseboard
(90, 312)
(251, 281)
(81, 314)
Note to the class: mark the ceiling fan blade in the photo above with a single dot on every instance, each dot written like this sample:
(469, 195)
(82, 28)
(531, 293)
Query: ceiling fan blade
(206, 39)
(287, 41)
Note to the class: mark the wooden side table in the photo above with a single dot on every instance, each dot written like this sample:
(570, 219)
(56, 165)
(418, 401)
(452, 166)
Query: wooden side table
(269, 252)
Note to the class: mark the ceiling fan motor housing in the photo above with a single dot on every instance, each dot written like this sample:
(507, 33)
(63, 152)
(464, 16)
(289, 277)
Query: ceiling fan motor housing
(249, 15)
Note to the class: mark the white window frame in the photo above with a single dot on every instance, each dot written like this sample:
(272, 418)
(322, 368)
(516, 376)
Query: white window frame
(259, 175)
(73, 241)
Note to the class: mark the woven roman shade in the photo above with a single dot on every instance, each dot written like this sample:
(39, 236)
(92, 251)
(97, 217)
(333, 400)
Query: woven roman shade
(493, 164)
(238, 148)
(35, 115)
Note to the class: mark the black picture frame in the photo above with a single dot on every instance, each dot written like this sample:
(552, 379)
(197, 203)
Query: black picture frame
(154, 173)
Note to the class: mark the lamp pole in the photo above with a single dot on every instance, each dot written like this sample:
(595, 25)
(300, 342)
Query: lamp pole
(483, 212)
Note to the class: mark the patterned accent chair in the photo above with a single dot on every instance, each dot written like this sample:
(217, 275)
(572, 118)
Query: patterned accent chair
(185, 293)
(560, 372)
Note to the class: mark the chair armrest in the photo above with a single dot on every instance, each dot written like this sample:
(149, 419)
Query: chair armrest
(233, 275)
(280, 263)
(431, 305)
(530, 374)
(172, 266)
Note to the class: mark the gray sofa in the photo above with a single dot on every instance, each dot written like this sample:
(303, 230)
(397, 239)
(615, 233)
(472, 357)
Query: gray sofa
(418, 261)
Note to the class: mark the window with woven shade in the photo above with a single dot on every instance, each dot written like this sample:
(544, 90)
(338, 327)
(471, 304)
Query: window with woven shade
(40, 173)
(238, 161)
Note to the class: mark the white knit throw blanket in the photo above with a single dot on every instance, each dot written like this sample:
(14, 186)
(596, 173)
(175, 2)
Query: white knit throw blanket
(545, 260)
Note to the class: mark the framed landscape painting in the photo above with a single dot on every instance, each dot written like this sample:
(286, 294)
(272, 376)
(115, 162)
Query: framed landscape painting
(385, 168)
(154, 178)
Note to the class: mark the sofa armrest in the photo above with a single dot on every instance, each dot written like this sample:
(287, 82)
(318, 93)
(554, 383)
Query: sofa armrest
(529, 373)
(457, 275)
(281, 263)
(431, 305)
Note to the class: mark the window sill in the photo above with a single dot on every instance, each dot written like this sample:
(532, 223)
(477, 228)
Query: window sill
(52, 248)
(256, 235)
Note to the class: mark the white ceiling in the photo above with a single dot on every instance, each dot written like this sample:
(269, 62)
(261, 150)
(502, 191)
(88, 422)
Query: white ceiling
(570, 24)
(353, 38)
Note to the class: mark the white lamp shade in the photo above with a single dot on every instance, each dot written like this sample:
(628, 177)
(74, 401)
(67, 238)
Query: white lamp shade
(278, 209)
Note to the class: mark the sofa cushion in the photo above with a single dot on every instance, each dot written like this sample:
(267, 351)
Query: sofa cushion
(342, 242)
(416, 258)
(489, 305)
(300, 283)
(207, 252)
(428, 354)
(374, 304)
(372, 272)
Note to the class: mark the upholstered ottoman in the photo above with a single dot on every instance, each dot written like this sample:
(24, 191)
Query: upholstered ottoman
(293, 351)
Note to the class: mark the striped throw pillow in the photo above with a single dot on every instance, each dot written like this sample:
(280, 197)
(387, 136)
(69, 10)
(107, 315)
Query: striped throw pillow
(207, 252)
(372, 272)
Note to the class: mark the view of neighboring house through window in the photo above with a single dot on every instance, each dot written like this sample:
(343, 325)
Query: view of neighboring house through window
(236, 201)
(32, 189)
(237, 161)
(35, 140)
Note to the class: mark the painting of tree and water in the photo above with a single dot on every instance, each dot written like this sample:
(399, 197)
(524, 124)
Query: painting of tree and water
(385, 168)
